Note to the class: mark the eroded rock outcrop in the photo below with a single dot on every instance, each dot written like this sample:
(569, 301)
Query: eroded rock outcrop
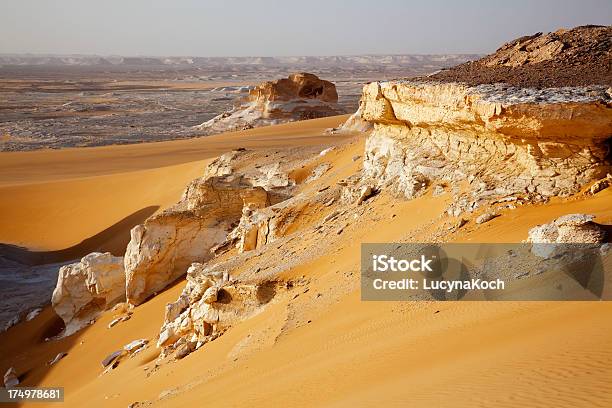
(210, 303)
(260, 225)
(572, 228)
(86, 288)
(270, 176)
(298, 97)
(568, 229)
(502, 140)
(567, 57)
(600, 185)
(256, 228)
(161, 249)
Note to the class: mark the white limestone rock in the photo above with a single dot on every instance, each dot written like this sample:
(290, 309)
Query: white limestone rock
(161, 249)
(300, 96)
(86, 288)
(356, 124)
(271, 176)
(568, 229)
(545, 143)
(210, 303)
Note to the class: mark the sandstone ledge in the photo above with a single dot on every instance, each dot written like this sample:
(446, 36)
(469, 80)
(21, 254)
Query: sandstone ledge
(549, 142)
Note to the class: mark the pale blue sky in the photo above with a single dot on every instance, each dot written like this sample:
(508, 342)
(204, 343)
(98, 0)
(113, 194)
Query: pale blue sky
(278, 28)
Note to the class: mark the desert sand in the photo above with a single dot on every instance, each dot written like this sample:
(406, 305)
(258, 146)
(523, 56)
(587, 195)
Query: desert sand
(115, 187)
(318, 344)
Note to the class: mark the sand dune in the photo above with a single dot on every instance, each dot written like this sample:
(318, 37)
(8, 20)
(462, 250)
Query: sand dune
(82, 192)
(319, 344)
(70, 163)
(83, 207)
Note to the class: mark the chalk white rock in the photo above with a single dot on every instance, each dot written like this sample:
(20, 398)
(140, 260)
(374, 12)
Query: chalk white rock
(300, 96)
(86, 288)
(571, 228)
(136, 345)
(161, 249)
(198, 316)
(271, 176)
(33, 314)
(355, 123)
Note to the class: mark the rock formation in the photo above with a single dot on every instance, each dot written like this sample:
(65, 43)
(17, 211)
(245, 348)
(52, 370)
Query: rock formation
(576, 57)
(161, 249)
(572, 228)
(86, 288)
(298, 97)
(600, 185)
(503, 140)
(255, 229)
(568, 229)
(296, 86)
(210, 303)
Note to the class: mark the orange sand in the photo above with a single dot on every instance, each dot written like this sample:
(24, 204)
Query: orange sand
(54, 199)
(339, 351)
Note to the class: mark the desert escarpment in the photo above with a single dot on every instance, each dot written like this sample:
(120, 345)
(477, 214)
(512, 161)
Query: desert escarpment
(500, 139)
(298, 97)
(280, 300)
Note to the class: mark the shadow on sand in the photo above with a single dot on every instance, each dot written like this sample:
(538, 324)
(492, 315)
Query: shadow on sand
(114, 239)
(24, 346)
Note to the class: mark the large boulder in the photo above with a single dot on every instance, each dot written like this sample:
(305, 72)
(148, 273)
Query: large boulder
(297, 86)
(298, 97)
(568, 229)
(86, 288)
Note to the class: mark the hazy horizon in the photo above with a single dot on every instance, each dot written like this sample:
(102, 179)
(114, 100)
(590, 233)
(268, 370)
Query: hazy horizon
(50, 54)
(278, 29)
